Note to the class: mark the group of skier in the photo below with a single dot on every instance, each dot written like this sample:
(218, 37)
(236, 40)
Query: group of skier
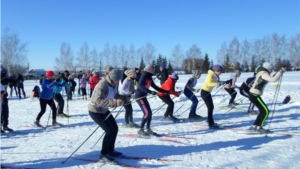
(108, 93)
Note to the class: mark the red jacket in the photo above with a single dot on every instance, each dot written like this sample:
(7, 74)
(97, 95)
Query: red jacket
(93, 81)
(168, 85)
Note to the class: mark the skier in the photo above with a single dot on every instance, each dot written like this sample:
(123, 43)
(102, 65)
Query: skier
(46, 98)
(79, 76)
(82, 85)
(211, 81)
(244, 90)
(169, 85)
(261, 80)
(20, 81)
(230, 87)
(127, 89)
(106, 95)
(93, 81)
(13, 84)
(58, 97)
(163, 75)
(140, 95)
(4, 105)
(72, 87)
(188, 92)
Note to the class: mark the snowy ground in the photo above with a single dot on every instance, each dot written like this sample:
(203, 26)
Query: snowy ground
(193, 144)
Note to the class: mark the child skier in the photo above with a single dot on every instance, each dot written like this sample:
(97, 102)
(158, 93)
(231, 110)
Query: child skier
(244, 90)
(82, 84)
(230, 87)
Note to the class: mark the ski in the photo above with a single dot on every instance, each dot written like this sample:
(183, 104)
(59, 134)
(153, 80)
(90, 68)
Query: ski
(158, 135)
(143, 158)
(118, 163)
(227, 108)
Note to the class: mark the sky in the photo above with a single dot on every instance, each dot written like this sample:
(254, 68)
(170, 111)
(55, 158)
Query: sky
(46, 24)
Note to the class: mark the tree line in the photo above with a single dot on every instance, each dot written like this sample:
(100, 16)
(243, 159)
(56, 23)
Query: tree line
(245, 55)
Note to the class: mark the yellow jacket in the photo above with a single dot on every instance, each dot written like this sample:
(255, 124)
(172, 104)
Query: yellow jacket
(211, 81)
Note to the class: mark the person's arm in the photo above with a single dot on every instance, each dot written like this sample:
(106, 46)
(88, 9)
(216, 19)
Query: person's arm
(188, 85)
(153, 85)
(233, 83)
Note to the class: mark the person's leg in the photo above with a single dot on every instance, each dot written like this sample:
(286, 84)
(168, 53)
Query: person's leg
(43, 104)
(53, 108)
(232, 94)
(145, 107)
(207, 98)
(4, 111)
(262, 107)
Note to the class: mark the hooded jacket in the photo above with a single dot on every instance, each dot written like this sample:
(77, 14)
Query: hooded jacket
(211, 81)
(169, 85)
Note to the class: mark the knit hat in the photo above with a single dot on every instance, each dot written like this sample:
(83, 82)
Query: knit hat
(218, 68)
(70, 77)
(237, 72)
(115, 74)
(197, 73)
(130, 73)
(268, 65)
(174, 76)
(108, 68)
(150, 69)
(49, 73)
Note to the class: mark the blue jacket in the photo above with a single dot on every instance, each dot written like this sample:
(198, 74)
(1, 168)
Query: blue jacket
(47, 89)
(144, 84)
(57, 89)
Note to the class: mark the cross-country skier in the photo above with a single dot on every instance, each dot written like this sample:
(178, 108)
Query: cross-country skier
(140, 95)
(127, 89)
(230, 87)
(189, 93)
(46, 97)
(106, 95)
(261, 80)
(169, 85)
(244, 90)
(211, 81)
(58, 97)
(163, 75)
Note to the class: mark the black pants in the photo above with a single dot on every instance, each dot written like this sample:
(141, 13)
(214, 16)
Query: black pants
(12, 88)
(144, 105)
(206, 96)
(83, 91)
(4, 111)
(21, 87)
(69, 93)
(232, 93)
(170, 103)
(43, 104)
(110, 128)
(245, 92)
(262, 107)
(60, 102)
(91, 92)
(128, 112)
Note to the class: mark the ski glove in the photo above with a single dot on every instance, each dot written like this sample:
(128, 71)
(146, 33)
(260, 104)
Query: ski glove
(119, 102)
(152, 92)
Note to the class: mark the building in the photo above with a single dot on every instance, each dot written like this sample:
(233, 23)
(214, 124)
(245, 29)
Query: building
(34, 74)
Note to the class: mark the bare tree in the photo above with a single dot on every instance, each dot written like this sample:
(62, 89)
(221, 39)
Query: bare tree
(65, 61)
(133, 62)
(123, 55)
(106, 53)
(13, 51)
(294, 51)
(149, 53)
(140, 55)
(194, 53)
(114, 56)
(95, 60)
(234, 50)
(83, 58)
(222, 53)
(177, 57)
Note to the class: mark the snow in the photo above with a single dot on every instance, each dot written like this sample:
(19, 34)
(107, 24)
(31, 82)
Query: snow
(195, 147)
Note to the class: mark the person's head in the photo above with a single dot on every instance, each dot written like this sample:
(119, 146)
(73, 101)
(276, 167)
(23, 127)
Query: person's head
(150, 69)
(130, 73)
(50, 75)
(237, 73)
(162, 67)
(197, 74)
(218, 69)
(115, 76)
(137, 70)
(80, 72)
(174, 77)
(268, 66)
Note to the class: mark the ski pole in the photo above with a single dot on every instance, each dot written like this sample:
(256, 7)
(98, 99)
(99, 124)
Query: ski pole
(233, 106)
(88, 136)
(274, 103)
(182, 106)
(104, 132)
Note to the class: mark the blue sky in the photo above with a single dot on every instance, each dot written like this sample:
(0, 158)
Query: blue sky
(45, 24)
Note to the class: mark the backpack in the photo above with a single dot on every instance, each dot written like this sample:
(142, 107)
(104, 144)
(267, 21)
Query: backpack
(35, 92)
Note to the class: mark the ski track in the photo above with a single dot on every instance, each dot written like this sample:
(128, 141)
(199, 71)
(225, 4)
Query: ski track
(193, 144)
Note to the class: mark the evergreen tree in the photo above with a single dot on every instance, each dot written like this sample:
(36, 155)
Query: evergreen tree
(253, 66)
(226, 64)
(170, 68)
(287, 64)
(142, 64)
(206, 63)
(211, 65)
